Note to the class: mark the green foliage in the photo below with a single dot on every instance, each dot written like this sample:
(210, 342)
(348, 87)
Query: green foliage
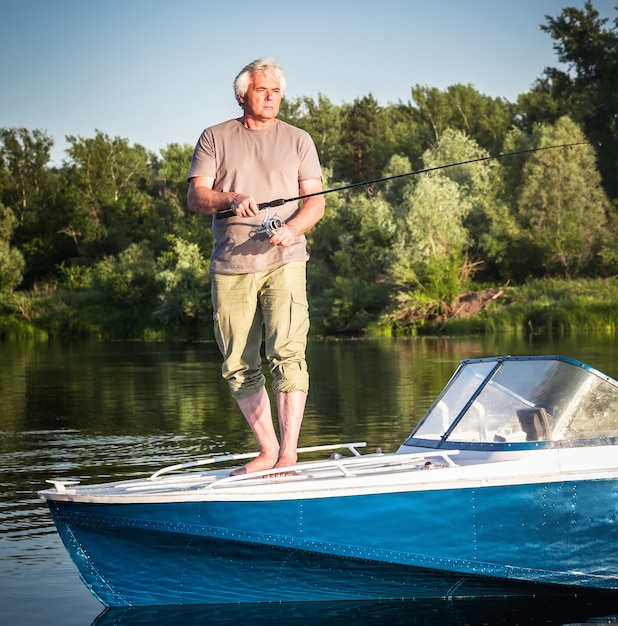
(360, 128)
(31, 191)
(16, 320)
(128, 278)
(185, 296)
(349, 306)
(169, 213)
(12, 263)
(555, 307)
(562, 222)
(461, 107)
(104, 245)
(586, 89)
(126, 289)
(74, 277)
(435, 237)
(24, 156)
(107, 202)
(11, 266)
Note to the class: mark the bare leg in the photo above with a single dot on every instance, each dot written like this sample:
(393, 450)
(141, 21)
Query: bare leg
(291, 408)
(256, 409)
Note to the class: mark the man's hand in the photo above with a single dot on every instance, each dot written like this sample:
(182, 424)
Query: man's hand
(285, 236)
(244, 206)
(203, 199)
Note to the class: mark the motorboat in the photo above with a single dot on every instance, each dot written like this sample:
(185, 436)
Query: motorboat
(507, 485)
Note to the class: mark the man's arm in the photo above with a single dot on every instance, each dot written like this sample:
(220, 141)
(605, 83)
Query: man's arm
(308, 216)
(312, 209)
(203, 199)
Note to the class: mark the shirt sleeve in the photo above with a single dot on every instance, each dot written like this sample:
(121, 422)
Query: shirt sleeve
(310, 167)
(204, 161)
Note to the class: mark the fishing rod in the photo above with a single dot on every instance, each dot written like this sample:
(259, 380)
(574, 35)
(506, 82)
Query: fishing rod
(280, 201)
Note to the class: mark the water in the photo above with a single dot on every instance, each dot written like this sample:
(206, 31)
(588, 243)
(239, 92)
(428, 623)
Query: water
(103, 411)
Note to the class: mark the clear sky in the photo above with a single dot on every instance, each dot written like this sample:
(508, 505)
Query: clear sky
(157, 72)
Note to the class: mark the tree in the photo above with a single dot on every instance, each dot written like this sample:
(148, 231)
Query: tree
(106, 184)
(461, 107)
(433, 113)
(361, 126)
(352, 248)
(128, 289)
(30, 189)
(587, 90)
(12, 262)
(169, 214)
(185, 296)
(435, 253)
(25, 156)
(562, 209)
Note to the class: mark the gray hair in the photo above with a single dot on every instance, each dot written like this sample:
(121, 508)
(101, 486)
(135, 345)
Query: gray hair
(266, 65)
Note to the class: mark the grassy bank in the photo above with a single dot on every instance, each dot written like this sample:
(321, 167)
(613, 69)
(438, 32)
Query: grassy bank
(547, 307)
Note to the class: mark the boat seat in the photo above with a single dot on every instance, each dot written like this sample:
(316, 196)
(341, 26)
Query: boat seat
(534, 423)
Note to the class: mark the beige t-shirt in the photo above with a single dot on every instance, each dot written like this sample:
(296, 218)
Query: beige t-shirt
(267, 165)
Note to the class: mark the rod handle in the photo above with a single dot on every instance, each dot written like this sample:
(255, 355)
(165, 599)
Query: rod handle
(222, 215)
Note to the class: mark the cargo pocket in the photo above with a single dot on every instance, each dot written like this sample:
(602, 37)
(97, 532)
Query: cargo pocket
(299, 317)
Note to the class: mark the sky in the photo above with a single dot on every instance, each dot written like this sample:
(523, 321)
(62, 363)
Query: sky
(157, 72)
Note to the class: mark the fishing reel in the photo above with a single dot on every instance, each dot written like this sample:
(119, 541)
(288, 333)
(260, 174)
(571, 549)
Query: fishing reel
(270, 225)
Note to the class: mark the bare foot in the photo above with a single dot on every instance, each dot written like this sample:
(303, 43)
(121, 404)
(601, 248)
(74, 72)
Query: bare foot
(284, 462)
(260, 462)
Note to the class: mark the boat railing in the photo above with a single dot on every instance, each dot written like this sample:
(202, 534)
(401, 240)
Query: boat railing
(346, 466)
(351, 447)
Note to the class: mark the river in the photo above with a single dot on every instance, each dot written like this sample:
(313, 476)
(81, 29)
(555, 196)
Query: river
(101, 411)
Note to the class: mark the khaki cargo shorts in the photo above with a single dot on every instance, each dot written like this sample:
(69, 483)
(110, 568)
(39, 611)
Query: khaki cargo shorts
(269, 307)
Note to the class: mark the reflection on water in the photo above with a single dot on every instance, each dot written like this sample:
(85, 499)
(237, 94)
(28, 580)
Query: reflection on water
(105, 411)
(460, 612)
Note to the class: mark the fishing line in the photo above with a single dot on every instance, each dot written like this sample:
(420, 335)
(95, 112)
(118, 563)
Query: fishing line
(280, 201)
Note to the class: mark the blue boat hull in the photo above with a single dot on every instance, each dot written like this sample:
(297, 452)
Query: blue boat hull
(467, 542)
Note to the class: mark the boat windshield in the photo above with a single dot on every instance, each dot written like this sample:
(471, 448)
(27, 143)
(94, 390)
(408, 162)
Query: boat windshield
(517, 399)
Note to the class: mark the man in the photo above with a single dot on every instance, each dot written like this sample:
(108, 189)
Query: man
(258, 276)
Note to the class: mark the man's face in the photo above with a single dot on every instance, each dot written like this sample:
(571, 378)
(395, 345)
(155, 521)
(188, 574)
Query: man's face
(263, 98)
